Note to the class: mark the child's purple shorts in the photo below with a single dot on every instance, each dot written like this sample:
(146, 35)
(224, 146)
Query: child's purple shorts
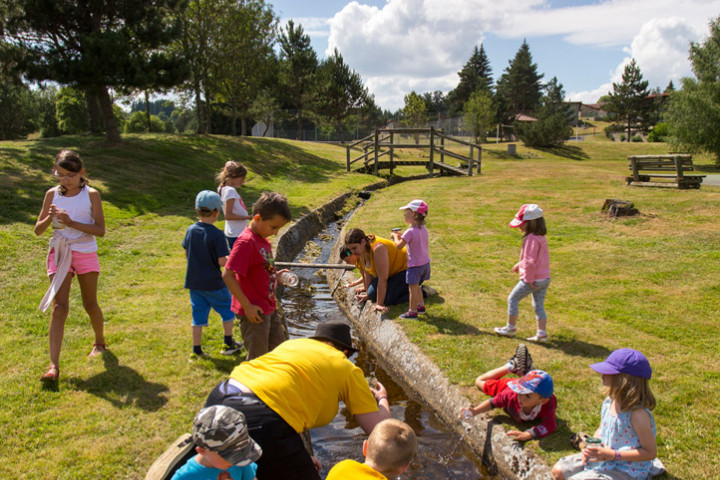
(417, 275)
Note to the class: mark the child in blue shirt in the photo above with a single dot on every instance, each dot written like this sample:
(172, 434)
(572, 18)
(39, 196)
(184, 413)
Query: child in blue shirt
(206, 250)
(224, 448)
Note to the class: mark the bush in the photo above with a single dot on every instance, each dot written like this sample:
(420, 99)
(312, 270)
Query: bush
(138, 123)
(659, 133)
(548, 132)
(622, 137)
(637, 138)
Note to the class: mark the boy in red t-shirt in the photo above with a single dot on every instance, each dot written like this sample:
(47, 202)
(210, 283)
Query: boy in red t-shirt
(251, 277)
(524, 399)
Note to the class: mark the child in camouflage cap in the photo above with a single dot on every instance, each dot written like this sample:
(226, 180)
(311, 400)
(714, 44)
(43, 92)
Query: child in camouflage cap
(224, 448)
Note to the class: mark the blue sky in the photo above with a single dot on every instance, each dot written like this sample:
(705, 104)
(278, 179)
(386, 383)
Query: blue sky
(402, 45)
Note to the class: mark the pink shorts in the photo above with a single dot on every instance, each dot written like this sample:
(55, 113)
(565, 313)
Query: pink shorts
(79, 263)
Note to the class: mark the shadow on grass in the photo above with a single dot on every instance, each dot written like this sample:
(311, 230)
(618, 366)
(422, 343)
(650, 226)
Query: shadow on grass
(572, 152)
(160, 174)
(576, 348)
(123, 387)
(444, 325)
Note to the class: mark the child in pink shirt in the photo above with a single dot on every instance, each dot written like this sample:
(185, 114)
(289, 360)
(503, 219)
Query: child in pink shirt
(534, 269)
(416, 240)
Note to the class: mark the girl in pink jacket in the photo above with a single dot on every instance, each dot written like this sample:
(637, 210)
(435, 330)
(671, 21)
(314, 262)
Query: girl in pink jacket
(534, 269)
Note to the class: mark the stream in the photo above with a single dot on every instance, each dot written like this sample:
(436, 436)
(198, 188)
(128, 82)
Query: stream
(441, 453)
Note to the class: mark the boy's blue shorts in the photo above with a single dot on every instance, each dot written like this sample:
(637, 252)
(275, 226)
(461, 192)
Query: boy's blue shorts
(203, 300)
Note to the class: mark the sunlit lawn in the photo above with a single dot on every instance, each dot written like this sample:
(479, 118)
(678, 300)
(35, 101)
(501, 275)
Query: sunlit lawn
(649, 282)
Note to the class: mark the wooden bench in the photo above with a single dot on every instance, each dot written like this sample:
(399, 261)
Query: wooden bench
(642, 165)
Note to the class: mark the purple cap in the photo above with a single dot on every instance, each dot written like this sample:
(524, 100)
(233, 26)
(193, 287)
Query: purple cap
(535, 381)
(624, 360)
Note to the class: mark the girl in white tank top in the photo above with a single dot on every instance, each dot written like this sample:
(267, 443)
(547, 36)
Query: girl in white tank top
(75, 211)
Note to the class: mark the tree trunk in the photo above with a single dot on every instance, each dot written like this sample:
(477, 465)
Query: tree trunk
(233, 121)
(199, 110)
(299, 125)
(93, 108)
(243, 126)
(267, 125)
(147, 110)
(208, 113)
(111, 131)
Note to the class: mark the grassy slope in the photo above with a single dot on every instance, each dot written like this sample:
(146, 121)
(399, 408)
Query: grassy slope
(112, 416)
(647, 282)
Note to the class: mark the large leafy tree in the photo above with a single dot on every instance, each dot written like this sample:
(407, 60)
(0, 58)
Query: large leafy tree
(519, 88)
(298, 66)
(693, 115)
(476, 75)
(629, 99)
(199, 22)
(95, 45)
(340, 91)
(554, 125)
(242, 55)
(17, 106)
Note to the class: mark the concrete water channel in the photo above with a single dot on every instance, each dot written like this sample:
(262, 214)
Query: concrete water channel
(442, 454)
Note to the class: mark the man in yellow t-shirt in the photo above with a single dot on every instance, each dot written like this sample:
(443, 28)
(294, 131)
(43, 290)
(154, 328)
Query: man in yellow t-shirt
(388, 452)
(296, 387)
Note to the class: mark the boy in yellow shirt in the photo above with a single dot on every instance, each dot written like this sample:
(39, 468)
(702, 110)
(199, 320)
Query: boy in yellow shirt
(388, 452)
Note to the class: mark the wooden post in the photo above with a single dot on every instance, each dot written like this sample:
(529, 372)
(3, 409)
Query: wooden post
(479, 160)
(678, 167)
(471, 162)
(375, 169)
(442, 149)
(348, 158)
(432, 149)
(392, 154)
(633, 164)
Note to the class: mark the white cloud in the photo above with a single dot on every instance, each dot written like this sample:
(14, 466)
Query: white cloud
(589, 96)
(426, 42)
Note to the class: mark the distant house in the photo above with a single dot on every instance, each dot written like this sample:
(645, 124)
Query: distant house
(523, 117)
(593, 110)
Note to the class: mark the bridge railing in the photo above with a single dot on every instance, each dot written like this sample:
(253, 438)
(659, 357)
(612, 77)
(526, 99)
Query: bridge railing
(383, 142)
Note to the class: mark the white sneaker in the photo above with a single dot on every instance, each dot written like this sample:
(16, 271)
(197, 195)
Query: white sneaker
(538, 338)
(505, 331)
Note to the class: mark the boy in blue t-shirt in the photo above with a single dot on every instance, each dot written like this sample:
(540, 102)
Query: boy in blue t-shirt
(224, 448)
(206, 251)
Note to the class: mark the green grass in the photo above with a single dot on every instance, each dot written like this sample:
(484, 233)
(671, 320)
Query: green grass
(648, 282)
(111, 416)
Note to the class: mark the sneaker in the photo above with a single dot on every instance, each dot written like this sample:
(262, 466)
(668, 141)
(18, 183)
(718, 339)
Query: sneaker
(194, 357)
(421, 310)
(232, 350)
(538, 338)
(521, 363)
(409, 314)
(505, 331)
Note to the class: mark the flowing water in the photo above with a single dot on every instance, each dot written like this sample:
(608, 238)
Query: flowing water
(441, 453)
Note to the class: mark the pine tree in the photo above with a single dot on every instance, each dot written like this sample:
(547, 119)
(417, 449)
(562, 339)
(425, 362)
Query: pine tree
(476, 75)
(553, 126)
(629, 98)
(519, 89)
(298, 65)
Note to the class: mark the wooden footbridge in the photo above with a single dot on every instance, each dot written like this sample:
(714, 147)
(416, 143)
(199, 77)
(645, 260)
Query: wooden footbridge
(384, 141)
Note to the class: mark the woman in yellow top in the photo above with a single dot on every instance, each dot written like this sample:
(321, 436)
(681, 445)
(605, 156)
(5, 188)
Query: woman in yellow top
(297, 387)
(383, 267)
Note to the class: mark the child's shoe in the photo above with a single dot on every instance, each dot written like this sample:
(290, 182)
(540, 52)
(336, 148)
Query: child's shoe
(409, 314)
(232, 350)
(421, 310)
(538, 338)
(521, 363)
(505, 331)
